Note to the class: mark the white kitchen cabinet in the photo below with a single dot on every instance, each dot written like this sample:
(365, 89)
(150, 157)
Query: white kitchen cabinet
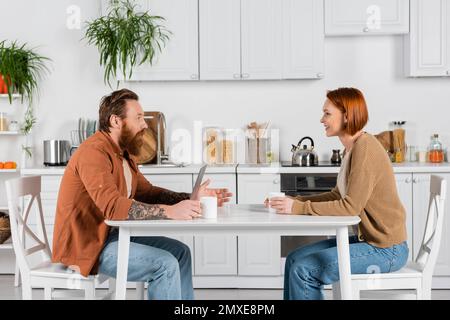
(220, 39)
(254, 188)
(258, 255)
(303, 39)
(405, 192)
(173, 182)
(215, 255)
(179, 58)
(366, 17)
(427, 47)
(209, 263)
(260, 39)
(421, 187)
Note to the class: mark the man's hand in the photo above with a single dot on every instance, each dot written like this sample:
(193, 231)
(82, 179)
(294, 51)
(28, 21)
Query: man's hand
(281, 204)
(223, 195)
(183, 210)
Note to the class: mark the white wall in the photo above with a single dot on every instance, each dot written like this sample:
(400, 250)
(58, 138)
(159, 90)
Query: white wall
(75, 86)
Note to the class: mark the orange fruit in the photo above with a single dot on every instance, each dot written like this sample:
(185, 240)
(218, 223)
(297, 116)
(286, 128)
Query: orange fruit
(10, 165)
(2, 165)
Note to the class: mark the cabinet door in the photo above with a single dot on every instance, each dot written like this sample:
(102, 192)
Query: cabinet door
(261, 31)
(303, 39)
(259, 255)
(427, 47)
(405, 192)
(254, 188)
(215, 255)
(220, 40)
(179, 58)
(174, 182)
(421, 190)
(364, 17)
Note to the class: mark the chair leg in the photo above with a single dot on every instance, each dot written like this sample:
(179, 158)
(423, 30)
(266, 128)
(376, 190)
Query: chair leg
(426, 290)
(336, 290)
(48, 293)
(17, 276)
(140, 290)
(26, 290)
(89, 291)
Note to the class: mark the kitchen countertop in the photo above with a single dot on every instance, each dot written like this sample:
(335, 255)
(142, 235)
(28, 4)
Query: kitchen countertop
(275, 168)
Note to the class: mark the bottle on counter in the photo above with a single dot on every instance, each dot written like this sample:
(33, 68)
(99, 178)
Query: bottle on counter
(435, 150)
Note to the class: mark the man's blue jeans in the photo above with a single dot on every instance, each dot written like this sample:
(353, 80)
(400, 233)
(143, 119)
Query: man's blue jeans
(164, 263)
(310, 267)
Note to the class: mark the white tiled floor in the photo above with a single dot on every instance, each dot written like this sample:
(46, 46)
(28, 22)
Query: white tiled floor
(9, 292)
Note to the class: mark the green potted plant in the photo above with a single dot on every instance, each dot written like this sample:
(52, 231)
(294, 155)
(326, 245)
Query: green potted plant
(21, 69)
(126, 38)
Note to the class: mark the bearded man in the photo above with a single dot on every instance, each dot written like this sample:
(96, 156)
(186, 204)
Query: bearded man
(102, 181)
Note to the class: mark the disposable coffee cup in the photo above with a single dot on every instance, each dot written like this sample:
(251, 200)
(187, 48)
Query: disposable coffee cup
(273, 195)
(209, 207)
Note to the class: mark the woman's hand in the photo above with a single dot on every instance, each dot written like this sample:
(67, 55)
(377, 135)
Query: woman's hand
(281, 204)
(223, 195)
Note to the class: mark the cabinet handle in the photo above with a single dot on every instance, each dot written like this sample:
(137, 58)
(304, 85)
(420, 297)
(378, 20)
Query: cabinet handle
(245, 75)
(236, 76)
(276, 181)
(415, 180)
(319, 75)
(408, 180)
(194, 76)
(366, 29)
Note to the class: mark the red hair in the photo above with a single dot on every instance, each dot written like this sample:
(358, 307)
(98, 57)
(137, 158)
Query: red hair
(352, 104)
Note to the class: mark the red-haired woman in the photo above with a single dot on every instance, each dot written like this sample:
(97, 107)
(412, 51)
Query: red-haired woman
(366, 188)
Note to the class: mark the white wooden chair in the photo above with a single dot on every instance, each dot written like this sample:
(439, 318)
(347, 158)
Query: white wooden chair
(417, 274)
(42, 273)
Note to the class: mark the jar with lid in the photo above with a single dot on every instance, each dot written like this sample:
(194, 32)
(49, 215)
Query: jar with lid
(228, 146)
(14, 125)
(212, 143)
(435, 150)
(3, 122)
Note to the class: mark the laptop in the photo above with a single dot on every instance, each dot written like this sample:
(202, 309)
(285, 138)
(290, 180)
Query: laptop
(198, 182)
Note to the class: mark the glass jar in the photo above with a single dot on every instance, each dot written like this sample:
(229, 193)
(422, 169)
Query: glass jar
(435, 151)
(14, 125)
(3, 122)
(229, 146)
(212, 143)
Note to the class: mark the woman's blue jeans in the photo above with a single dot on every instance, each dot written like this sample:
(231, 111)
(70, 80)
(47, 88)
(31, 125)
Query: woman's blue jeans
(164, 263)
(310, 267)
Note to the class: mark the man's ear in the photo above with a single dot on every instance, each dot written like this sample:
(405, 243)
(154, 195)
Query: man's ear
(114, 121)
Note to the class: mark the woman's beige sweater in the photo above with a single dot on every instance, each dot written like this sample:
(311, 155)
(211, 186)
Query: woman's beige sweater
(371, 195)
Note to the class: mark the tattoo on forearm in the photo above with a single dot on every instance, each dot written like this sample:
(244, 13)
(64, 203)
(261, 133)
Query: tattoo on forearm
(170, 197)
(143, 211)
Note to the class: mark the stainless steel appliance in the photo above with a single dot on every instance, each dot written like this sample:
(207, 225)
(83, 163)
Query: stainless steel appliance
(302, 184)
(56, 152)
(302, 155)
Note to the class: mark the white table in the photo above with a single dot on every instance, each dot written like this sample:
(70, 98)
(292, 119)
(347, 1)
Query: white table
(239, 220)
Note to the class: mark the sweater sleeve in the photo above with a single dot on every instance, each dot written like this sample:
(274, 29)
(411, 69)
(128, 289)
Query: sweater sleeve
(361, 181)
(326, 196)
(96, 175)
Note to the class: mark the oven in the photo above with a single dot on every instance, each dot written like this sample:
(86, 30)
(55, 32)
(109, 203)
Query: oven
(294, 184)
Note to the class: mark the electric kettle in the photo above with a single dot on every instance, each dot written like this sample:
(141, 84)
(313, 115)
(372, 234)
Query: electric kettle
(302, 155)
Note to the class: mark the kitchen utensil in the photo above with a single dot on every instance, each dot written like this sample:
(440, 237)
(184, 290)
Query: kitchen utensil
(56, 152)
(336, 156)
(302, 155)
(148, 150)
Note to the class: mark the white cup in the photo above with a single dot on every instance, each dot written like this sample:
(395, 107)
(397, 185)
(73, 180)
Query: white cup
(273, 195)
(209, 207)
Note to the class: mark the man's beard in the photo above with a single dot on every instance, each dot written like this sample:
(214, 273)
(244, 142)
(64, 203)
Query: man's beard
(131, 143)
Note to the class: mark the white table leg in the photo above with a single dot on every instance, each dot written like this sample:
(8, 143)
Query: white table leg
(122, 263)
(343, 249)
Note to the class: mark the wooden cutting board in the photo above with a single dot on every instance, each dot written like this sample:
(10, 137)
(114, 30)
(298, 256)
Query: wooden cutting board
(147, 153)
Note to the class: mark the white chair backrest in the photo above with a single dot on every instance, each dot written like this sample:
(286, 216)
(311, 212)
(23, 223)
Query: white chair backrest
(431, 242)
(23, 194)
